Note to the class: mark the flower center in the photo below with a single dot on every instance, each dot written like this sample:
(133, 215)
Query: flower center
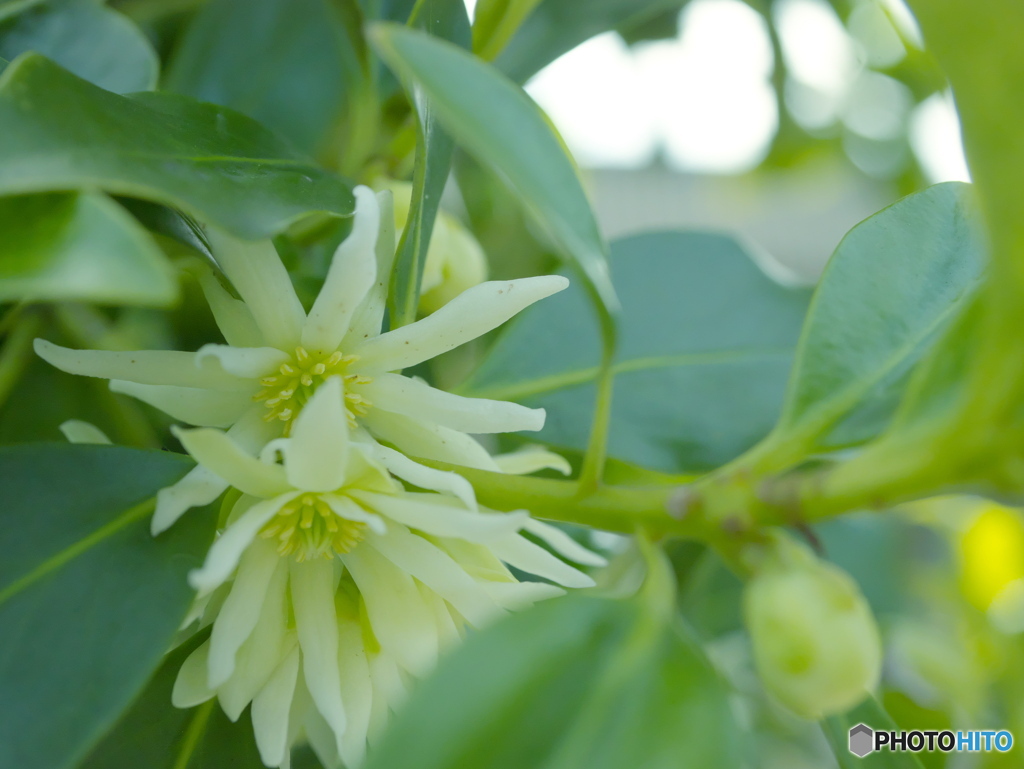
(307, 528)
(286, 392)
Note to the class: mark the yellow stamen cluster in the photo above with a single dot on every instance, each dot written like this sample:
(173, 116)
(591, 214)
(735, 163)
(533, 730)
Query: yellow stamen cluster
(307, 528)
(286, 392)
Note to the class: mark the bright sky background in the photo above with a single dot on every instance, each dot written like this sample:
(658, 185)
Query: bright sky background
(704, 100)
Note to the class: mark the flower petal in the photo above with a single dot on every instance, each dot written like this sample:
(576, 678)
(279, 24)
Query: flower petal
(203, 408)
(436, 569)
(244, 362)
(426, 477)
(317, 626)
(370, 316)
(522, 554)
(190, 687)
(216, 451)
(389, 691)
(352, 273)
(517, 596)
(199, 487)
(159, 367)
(257, 273)
(563, 544)
(233, 317)
(345, 508)
(77, 431)
(225, 552)
(414, 398)
(241, 611)
(431, 514)
(316, 455)
(416, 438)
(530, 459)
(356, 690)
(400, 620)
(469, 315)
(270, 711)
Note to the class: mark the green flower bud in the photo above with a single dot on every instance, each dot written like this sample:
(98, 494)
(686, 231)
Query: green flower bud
(816, 644)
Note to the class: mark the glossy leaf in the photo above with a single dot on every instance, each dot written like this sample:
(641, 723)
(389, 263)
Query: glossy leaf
(156, 735)
(89, 600)
(557, 26)
(446, 19)
(500, 125)
(706, 344)
(870, 712)
(893, 286)
(250, 54)
(85, 37)
(573, 683)
(68, 246)
(213, 163)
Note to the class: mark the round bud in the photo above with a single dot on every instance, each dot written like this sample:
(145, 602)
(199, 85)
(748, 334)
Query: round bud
(815, 641)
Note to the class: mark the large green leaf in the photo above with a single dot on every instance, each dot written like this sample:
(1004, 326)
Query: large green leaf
(85, 247)
(893, 286)
(446, 19)
(154, 734)
(84, 36)
(573, 683)
(706, 344)
(286, 63)
(870, 712)
(89, 600)
(60, 132)
(503, 128)
(557, 26)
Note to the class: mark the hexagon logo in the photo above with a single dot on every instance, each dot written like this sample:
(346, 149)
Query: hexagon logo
(862, 740)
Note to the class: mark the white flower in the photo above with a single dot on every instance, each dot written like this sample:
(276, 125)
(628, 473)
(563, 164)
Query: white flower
(277, 356)
(331, 586)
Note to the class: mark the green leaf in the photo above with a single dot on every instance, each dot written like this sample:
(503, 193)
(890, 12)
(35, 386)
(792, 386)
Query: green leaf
(156, 735)
(60, 132)
(503, 128)
(84, 36)
(446, 19)
(557, 26)
(870, 712)
(89, 600)
(85, 247)
(706, 345)
(893, 286)
(251, 55)
(572, 683)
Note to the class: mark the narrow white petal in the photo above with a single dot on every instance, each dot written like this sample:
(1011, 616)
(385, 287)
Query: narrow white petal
(256, 272)
(190, 687)
(370, 316)
(241, 610)
(228, 548)
(436, 569)
(469, 315)
(317, 626)
(244, 362)
(401, 622)
(517, 596)
(448, 632)
(519, 552)
(216, 451)
(414, 398)
(530, 459)
(356, 690)
(349, 510)
(203, 408)
(270, 711)
(160, 367)
(427, 477)
(77, 431)
(389, 691)
(429, 513)
(417, 438)
(316, 455)
(352, 274)
(563, 544)
(199, 487)
(232, 316)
